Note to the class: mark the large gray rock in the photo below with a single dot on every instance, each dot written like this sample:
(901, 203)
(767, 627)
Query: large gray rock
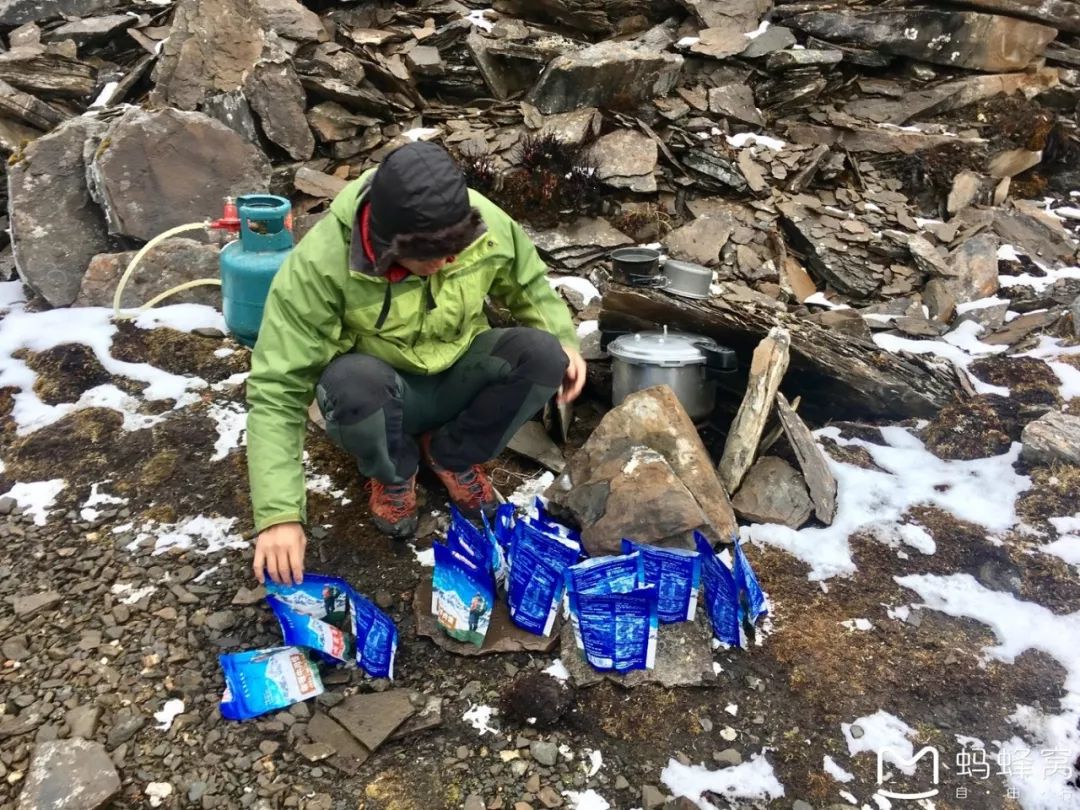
(975, 268)
(955, 38)
(597, 76)
(69, 775)
(145, 189)
(1053, 438)
(274, 92)
(55, 227)
(773, 492)
(742, 14)
(593, 16)
(643, 474)
(290, 19)
(210, 48)
(626, 158)
(17, 12)
(1062, 14)
(167, 264)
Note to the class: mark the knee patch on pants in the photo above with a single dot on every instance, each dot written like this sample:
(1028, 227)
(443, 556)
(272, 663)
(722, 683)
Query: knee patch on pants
(354, 386)
(533, 355)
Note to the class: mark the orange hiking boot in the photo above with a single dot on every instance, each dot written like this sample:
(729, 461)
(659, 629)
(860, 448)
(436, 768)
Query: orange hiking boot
(393, 507)
(471, 490)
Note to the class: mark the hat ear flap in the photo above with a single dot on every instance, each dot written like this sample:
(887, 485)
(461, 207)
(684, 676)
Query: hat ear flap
(439, 244)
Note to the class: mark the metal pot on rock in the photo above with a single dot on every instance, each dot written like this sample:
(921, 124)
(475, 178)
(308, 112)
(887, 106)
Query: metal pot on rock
(686, 363)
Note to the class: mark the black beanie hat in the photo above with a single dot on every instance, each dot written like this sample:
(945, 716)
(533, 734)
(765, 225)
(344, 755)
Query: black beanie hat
(420, 206)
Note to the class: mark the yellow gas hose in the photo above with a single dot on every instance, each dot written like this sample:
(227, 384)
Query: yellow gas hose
(131, 315)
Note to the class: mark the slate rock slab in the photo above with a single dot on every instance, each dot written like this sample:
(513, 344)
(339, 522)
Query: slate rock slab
(594, 76)
(773, 492)
(1053, 438)
(55, 227)
(502, 636)
(274, 92)
(815, 467)
(683, 657)
(70, 774)
(164, 266)
(146, 190)
(373, 717)
(349, 754)
(615, 486)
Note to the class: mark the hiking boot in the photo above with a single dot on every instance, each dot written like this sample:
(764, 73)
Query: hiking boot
(393, 507)
(470, 490)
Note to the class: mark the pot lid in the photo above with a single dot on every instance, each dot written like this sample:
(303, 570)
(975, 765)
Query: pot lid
(661, 348)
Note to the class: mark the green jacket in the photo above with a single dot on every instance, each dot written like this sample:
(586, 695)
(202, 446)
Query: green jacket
(319, 309)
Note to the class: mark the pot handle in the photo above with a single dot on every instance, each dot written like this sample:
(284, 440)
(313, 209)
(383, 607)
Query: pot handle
(719, 361)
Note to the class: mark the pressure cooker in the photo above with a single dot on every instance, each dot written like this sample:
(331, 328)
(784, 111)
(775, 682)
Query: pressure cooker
(688, 364)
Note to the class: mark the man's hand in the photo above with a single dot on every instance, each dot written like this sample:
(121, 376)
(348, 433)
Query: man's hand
(279, 551)
(574, 379)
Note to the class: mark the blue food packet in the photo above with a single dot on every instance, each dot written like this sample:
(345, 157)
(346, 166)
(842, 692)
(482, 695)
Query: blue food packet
(503, 526)
(751, 599)
(376, 637)
(477, 544)
(261, 681)
(676, 573)
(314, 614)
(600, 575)
(534, 589)
(539, 515)
(462, 595)
(617, 631)
(721, 593)
(558, 550)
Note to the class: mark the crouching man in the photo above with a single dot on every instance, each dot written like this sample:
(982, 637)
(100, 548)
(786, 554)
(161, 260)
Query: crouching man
(378, 313)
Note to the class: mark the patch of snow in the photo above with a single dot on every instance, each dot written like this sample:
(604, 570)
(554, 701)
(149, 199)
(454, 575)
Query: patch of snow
(744, 139)
(585, 288)
(324, 486)
(1067, 212)
(231, 421)
(129, 594)
(688, 42)
(1039, 283)
(982, 491)
(181, 317)
(836, 772)
(586, 328)
(732, 709)
(104, 95)
(858, 624)
(761, 29)
(93, 328)
(205, 575)
(982, 303)
(848, 797)
(750, 780)
(477, 18)
(421, 134)
(596, 762)
(158, 792)
(37, 497)
(426, 557)
(204, 534)
(169, 712)
(525, 495)
(900, 613)
(1021, 626)
(885, 735)
(231, 381)
(224, 351)
(478, 717)
(587, 800)
(1007, 253)
(820, 300)
(98, 498)
(557, 669)
(960, 347)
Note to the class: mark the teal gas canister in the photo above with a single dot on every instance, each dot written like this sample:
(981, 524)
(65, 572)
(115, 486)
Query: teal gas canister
(249, 264)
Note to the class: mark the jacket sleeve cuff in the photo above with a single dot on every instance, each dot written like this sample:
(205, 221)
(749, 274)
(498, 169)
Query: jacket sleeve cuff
(274, 520)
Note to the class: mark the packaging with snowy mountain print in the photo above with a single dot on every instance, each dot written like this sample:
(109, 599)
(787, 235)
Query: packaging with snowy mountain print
(462, 595)
(261, 681)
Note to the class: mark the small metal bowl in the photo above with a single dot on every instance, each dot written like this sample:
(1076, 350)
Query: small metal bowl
(632, 264)
(688, 279)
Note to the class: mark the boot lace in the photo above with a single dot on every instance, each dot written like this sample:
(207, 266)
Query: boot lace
(393, 499)
(477, 485)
